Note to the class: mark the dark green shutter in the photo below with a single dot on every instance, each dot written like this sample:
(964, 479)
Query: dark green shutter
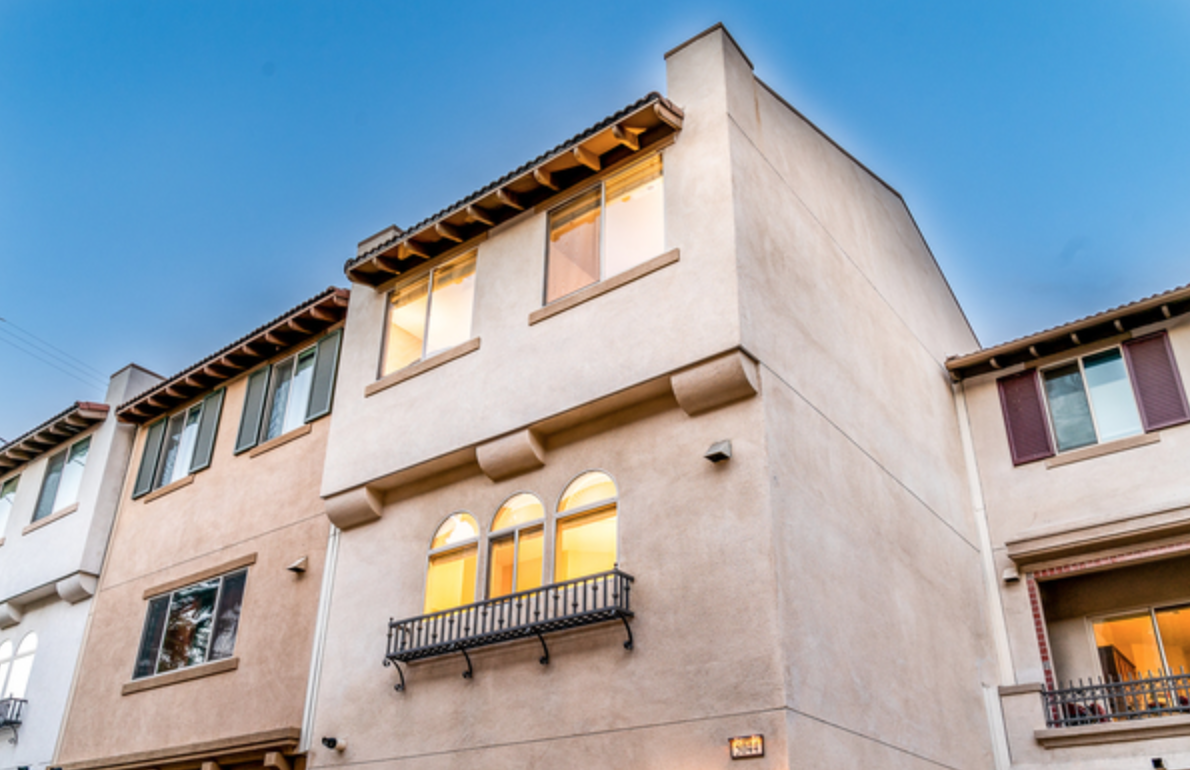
(148, 460)
(323, 386)
(208, 426)
(254, 397)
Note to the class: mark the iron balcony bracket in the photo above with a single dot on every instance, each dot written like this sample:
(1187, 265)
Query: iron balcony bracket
(390, 662)
(545, 658)
(470, 672)
(628, 628)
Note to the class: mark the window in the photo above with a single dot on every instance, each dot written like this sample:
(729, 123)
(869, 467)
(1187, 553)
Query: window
(516, 555)
(192, 625)
(64, 473)
(1105, 396)
(1144, 644)
(179, 445)
(585, 540)
(585, 543)
(450, 576)
(430, 315)
(8, 492)
(15, 669)
(606, 230)
(289, 394)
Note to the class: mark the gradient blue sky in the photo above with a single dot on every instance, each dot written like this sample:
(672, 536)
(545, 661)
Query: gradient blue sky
(173, 174)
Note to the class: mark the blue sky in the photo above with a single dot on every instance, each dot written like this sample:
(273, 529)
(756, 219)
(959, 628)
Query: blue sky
(173, 174)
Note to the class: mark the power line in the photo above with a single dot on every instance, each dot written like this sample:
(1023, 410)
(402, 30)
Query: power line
(63, 353)
(91, 381)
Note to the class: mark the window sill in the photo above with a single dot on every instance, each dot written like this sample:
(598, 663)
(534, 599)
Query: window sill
(51, 518)
(1099, 450)
(413, 370)
(603, 287)
(1114, 732)
(185, 481)
(183, 675)
(281, 440)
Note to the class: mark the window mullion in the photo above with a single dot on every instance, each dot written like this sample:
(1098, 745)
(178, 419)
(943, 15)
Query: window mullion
(1082, 372)
(602, 229)
(425, 335)
(206, 656)
(164, 633)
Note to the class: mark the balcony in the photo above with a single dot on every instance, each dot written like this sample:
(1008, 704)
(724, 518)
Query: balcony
(11, 710)
(599, 598)
(1101, 702)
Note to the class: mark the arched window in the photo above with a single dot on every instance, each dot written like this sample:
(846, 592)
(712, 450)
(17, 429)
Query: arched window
(517, 553)
(450, 577)
(15, 670)
(585, 540)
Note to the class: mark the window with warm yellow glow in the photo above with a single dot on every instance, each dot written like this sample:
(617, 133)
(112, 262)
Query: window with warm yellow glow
(585, 541)
(606, 230)
(1143, 643)
(430, 315)
(450, 576)
(516, 557)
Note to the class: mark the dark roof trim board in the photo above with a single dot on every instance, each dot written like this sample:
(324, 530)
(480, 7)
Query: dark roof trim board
(1060, 339)
(52, 433)
(293, 327)
(632, 131)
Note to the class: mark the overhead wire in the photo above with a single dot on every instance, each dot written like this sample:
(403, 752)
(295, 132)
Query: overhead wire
(56, 362)
(61, 354)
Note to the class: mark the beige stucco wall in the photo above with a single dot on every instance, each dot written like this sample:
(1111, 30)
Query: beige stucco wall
(266, 505)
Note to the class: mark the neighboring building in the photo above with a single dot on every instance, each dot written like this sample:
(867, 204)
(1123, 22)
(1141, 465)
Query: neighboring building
(1078, 441)
(199, 645)
(59, 488)
(652, 441)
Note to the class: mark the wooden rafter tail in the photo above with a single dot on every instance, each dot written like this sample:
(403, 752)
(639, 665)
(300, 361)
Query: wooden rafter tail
(510, 199)
(416, 249)
(449, 232)
(476, 214)
(318, 314)
(387, 264)
(629, 136)
(587, 158)
(668, 116)
(544, 178)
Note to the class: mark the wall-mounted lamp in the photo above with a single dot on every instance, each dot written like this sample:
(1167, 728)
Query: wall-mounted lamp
(746, 746)
(1010, 575)
(335, 743)
(299, 566)
(1158, 763)
(719, 451)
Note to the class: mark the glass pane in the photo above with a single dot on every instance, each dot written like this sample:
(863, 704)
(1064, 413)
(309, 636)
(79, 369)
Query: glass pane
(1174, 625)
(150, 640)
(586, 545)
(72, 475)
(1068, 407)
(169, 457)
(1111, 395)
(588, 489)
(8, 492)
(459, 528)
(5, 652)
(227, 620)
(18, 677)
(279, 399)
(28, 645)
(520, 509)
(299, 392)
(1128, 647)
(573, 260)
(450, 305)
(529, 559)
(188, 628)
(635, 228)
(49, 486)
(500, 569)
(450, 580)
(406, 326)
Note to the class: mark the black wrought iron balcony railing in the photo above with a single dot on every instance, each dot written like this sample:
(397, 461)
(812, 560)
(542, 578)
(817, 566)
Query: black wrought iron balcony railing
(11, 710)
(585, 601)
(1100, 702)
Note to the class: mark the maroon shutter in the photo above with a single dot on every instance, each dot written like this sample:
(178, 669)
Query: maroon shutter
(1024, 417)
(1156, 381)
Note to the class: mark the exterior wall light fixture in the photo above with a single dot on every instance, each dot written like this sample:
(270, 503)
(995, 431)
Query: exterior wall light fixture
(746, 746)
(335, 743)
(719, 451)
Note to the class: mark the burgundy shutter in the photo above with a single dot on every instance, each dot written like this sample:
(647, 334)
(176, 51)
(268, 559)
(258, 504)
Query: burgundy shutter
(1024, 417)
(1155, 379)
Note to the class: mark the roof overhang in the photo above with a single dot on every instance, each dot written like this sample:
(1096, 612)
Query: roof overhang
(50, 434)
(293, 327)
(633, 131)
(1101, 326)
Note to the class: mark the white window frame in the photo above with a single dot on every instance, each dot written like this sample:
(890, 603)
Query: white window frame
(165, 631)
(1049, 415)
(427, 275)
(270, 403)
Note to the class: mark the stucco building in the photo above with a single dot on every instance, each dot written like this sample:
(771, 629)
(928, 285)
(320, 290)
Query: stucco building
(1076, 438)
(199, 646)
(59, 489)
(650, 444)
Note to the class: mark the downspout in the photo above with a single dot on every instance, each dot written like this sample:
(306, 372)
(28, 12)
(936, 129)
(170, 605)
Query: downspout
(320, 626)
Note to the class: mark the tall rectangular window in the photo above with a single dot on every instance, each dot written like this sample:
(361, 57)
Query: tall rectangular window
(8, 493)
(192, 625)
(63, 475)
(430, 315)
(179, 445)
(289, 394)
(1145, 643)
(606, 230)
